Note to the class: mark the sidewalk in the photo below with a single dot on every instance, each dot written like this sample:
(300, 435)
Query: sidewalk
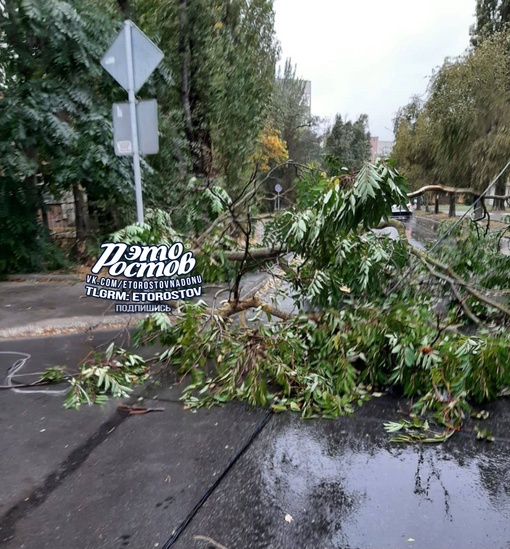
(498, 218)
(29, 306)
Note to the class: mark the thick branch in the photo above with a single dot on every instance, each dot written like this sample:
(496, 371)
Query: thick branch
(458, 280)
(455, 291)
(238, 306)
(256, 253)
(455, 190)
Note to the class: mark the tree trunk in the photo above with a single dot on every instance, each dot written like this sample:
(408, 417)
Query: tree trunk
(451, 211)
(184, 88)
(436, 204)
(500, 189)
(31, 192)
(44, 214)
(418, 203)
(43, 208)
(185, 67)
(196, 125)
(80, 219)
(126, 8)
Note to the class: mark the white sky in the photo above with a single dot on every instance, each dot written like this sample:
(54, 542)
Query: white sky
(370, 56)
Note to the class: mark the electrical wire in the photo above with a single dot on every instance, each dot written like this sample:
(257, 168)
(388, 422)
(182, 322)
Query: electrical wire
(451, 228)
(180, 529)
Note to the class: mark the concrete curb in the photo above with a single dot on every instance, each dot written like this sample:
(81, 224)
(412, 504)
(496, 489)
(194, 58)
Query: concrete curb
(70, 325)
(53, 326)
(37, 277)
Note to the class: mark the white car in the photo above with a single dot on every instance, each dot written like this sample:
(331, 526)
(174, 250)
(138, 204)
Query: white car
(402, 210)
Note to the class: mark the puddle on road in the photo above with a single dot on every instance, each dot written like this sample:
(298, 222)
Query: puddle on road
(418, 233)
(344, 493)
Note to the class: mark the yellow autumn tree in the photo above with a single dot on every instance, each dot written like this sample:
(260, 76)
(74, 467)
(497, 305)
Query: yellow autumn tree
(271, 149)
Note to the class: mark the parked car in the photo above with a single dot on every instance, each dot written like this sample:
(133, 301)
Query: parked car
(406, 210)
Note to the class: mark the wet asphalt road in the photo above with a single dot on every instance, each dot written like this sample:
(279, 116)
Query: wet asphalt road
(419, 231)
(342, 485)
(99, 479)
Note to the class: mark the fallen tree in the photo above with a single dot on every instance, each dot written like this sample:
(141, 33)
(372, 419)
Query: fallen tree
(452, 192)
(455, 190)
(371, 313)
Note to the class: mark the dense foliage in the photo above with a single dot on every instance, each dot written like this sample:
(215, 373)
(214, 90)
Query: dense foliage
(54, 119)
(349, 142)
(214, 91)
(222, 58)
(492, 16)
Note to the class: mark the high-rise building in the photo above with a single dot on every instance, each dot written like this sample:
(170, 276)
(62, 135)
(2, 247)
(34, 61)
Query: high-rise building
(380, 149)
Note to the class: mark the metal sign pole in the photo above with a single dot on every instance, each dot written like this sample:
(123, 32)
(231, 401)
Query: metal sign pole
(134, 124)
(277, 203)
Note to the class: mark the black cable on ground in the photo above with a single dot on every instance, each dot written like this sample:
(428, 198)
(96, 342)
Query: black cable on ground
(180, 529)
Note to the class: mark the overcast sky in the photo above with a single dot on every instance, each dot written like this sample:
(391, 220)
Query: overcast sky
(370, 56)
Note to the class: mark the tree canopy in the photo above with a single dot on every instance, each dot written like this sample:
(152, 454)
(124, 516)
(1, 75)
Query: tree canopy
(492, 16)
(458, 135)
(214, 90)
(54, 118)
(349, 142)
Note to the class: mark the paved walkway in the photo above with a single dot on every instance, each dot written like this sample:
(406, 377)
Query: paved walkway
(32, 305)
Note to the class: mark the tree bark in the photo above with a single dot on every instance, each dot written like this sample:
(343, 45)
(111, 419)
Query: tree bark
(185, 66)
(455, 190)
(31, 192)
(499, 204)
(451, 211)
(125, 7)
(80, 218)
(44, 213)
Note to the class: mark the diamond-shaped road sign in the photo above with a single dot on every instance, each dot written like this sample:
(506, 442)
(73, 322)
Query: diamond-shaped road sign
(131, 59)
(146, 57)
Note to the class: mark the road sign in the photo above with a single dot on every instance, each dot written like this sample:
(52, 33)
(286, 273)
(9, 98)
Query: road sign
(146, 57)
(131, 59)
(278, 189)
(147, 123)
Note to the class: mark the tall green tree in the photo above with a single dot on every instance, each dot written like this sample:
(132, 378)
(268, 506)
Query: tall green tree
(492, 16)
(291, 116)
(413, 144)
(222, 58)
(459, 136)
(55, 128)
(349, 142)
